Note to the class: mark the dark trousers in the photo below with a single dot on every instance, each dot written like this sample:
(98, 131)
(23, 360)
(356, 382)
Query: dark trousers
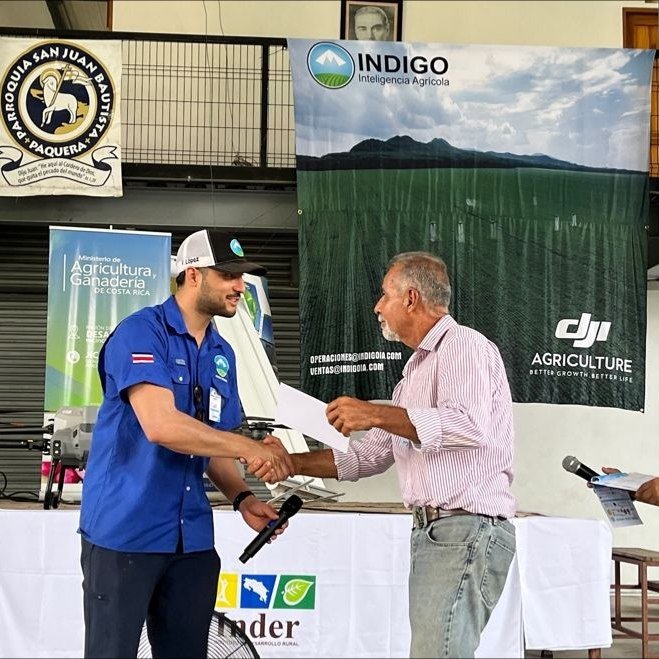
(174, 593)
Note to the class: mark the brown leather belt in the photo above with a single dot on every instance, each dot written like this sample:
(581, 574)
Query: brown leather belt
(424, 515)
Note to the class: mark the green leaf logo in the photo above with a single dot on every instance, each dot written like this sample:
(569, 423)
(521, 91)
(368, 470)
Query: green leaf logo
(296, 590)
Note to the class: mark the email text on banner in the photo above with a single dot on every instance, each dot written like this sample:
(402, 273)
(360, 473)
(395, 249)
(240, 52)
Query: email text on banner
(351, 362)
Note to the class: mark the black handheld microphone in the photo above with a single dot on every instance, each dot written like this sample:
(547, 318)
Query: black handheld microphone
(571, 464)
(287, 510)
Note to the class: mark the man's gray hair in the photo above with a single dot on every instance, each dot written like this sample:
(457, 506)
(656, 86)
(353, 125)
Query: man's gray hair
(373, 9)
(425, 272)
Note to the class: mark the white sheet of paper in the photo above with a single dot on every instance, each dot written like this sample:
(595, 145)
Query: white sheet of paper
(306, 414)
(623, 481)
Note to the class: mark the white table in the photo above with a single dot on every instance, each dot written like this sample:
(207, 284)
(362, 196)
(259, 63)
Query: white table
(358, 565)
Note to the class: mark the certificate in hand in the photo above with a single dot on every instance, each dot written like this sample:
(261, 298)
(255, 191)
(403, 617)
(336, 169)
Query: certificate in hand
(622, 481)
(306, 414)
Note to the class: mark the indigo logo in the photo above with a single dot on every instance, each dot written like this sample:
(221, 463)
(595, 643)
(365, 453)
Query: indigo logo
(221, 365)
(236, 248)
(330, 65)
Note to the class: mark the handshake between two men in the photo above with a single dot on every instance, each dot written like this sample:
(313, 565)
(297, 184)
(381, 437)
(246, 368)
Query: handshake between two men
(272, 463)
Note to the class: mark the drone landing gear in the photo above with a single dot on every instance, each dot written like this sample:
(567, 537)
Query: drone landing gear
(52, 499)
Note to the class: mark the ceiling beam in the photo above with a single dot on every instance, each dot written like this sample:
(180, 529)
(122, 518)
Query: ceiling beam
(58, 14)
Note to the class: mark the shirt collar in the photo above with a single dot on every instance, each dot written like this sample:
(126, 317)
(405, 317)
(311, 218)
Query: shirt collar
(431, 340)
(436, 333)
(173, 315)
(175, 320)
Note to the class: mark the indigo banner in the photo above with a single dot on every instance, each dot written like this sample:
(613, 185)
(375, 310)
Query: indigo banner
(524, 168)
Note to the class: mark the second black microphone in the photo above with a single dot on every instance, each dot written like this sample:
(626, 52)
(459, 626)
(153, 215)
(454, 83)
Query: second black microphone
(287, 510)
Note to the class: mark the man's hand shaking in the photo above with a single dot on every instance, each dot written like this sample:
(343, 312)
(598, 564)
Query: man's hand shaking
(272, 463)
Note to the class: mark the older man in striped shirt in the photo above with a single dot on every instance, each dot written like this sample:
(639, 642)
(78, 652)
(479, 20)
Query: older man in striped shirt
(450, 433)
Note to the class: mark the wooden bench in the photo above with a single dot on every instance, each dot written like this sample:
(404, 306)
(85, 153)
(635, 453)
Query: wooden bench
(643, 559)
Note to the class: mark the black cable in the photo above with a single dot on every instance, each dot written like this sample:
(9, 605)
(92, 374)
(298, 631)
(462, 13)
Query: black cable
(13, 495)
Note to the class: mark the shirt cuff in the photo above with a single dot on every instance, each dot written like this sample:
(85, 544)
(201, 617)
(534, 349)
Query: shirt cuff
(428, 425)
(347, 465)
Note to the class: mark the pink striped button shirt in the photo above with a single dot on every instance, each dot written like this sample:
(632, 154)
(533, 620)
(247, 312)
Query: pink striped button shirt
(456, 394)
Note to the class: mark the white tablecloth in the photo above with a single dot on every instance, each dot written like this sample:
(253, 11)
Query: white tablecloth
(556, 596)
(557, 593)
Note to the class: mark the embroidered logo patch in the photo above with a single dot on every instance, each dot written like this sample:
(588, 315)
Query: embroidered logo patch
(221, 365)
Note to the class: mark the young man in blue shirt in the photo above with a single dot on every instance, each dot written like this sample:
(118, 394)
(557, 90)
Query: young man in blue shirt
(170, 404)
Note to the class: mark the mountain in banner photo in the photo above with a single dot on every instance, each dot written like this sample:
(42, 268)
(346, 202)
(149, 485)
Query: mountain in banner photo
(404, 152)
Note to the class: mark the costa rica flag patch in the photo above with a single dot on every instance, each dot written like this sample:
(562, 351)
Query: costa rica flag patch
(142, 358)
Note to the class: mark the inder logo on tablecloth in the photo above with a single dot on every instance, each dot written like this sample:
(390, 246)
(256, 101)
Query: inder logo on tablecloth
(277, 611)
(266, 591)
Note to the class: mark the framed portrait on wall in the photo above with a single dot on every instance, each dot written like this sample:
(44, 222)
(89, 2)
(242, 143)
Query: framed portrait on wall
(372, 21)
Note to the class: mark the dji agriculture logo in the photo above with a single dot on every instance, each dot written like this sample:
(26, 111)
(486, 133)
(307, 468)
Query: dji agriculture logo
(330, 65)
(586, 333)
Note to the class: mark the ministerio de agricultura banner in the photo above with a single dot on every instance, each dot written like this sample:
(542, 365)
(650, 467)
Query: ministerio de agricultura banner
(96, 277)
(60, 123)
(524, 168)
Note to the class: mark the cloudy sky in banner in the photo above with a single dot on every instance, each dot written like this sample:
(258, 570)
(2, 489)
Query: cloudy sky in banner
(585, 105)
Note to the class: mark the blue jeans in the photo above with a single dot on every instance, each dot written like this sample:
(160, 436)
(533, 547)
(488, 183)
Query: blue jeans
(458, 567)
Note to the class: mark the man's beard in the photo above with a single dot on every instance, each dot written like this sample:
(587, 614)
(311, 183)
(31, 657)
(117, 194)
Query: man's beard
(208, 305)
(387, 332)
(215, 309)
